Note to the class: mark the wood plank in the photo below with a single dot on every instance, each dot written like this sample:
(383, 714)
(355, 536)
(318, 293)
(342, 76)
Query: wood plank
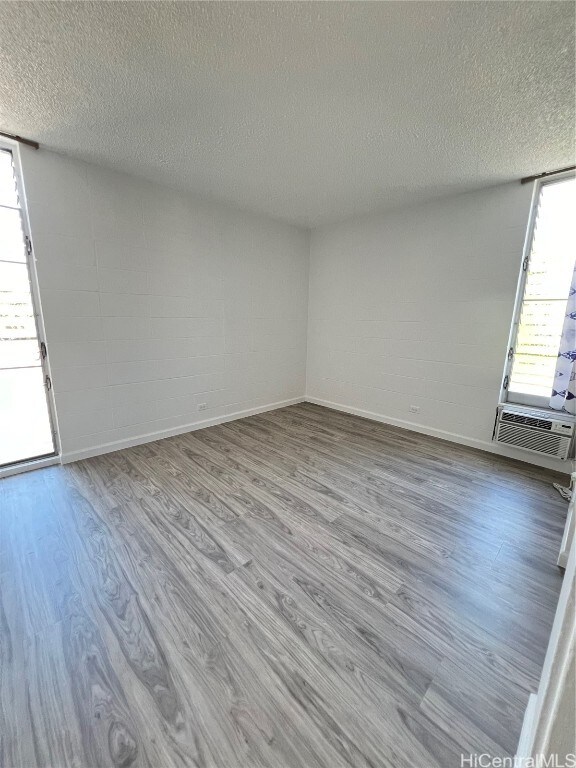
(298, 589)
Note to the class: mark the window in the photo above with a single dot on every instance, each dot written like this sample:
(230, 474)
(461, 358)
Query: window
(25, 425)
(541, 321)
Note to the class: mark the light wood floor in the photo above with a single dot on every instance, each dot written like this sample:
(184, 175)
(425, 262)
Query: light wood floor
(299, 589)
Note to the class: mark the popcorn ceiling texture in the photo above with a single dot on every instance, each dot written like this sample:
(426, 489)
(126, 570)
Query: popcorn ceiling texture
(309, 112)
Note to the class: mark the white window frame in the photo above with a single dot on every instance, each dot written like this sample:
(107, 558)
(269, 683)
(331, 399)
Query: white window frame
(55, 457)
(534, 401)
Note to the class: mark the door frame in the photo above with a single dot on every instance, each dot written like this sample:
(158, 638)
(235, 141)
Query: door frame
(53, 458)
(545, 706)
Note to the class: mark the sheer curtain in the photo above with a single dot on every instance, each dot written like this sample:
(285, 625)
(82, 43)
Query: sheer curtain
(564, 388)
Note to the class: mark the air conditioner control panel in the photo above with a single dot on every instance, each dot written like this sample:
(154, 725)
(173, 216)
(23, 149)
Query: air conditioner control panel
(562, 427)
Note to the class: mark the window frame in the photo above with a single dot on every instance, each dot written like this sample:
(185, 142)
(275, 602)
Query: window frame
(13, 147)
(529, 401)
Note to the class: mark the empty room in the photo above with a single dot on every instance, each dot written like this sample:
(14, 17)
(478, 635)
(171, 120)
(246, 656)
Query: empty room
(287, 384)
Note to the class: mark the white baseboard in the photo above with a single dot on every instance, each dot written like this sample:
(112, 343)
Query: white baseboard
(28, 466)
(118, 445)
(527, 734)
(453, 437)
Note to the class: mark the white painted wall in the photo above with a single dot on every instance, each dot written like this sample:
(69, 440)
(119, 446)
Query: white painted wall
(414, 308)
(154, 303)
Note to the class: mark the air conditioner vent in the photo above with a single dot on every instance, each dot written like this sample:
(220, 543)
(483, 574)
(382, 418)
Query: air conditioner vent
(553, 445)
(536, 430)
(530, 421)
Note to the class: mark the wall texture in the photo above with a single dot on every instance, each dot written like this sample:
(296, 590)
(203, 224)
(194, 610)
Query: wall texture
(155, 303)
(413, 308)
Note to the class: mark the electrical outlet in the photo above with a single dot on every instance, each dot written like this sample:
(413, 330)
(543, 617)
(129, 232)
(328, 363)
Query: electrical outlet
(202, 406)
(414, 409)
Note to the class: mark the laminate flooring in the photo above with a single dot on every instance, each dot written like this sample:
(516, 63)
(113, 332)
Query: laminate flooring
(297, 589)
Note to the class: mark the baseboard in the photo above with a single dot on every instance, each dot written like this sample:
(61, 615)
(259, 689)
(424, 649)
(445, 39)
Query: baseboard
(28, 466)
(453, 437)
(527, 734)
(118, 445)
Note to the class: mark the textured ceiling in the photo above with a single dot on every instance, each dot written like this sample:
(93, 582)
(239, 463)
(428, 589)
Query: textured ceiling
(306, 111)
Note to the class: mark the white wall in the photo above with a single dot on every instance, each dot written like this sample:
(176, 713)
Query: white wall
(155, 303)
(414, 308)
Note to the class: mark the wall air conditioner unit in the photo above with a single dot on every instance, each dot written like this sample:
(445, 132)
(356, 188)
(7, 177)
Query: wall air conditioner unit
(536, 430)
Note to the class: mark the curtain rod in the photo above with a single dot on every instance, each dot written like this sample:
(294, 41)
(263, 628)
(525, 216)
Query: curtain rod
(528, 179)
(28, 142)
